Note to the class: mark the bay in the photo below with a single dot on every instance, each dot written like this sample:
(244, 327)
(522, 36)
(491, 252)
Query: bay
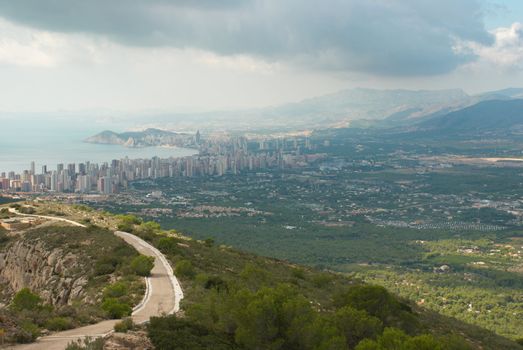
(61, 142)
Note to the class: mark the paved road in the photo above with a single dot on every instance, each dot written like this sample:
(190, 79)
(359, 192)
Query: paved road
(162, 296)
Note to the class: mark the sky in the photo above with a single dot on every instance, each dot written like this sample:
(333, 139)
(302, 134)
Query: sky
(156, 56)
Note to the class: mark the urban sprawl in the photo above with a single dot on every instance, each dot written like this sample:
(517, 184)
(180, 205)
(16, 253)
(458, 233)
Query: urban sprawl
(217, 157)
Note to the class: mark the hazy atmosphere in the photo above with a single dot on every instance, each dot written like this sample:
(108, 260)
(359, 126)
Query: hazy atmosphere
(261, 174)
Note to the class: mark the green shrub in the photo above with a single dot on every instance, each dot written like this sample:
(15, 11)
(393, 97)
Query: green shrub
(254, 276)
(142, 265)
(115, 290)
(26, 300)
(115, 308)
(124, 326)
(27, 333)
(356, 325)
(86, 344)
(58, 324)
(125, 227)
(209, 242)
(168, 245)
(322, 280)
(375, 300)
(168, 333)
(298, 273)
(103, 268)
(216, 282)
(184, 268)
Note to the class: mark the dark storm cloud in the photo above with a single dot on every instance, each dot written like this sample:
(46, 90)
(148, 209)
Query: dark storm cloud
(391, 37)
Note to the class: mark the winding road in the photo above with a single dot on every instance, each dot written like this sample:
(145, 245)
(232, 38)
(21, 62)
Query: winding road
(162, 296)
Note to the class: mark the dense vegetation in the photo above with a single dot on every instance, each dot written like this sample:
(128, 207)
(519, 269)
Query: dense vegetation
(236, 300)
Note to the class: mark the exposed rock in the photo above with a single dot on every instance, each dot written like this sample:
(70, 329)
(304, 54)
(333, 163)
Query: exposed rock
(56, 276)
(130, 340)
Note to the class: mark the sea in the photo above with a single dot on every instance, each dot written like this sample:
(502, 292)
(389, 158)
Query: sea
(52, 142)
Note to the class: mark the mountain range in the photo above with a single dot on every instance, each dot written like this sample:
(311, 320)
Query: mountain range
(347, 108)
(450, 110)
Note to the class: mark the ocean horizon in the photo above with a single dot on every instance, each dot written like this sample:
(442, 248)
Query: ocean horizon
(25, 141)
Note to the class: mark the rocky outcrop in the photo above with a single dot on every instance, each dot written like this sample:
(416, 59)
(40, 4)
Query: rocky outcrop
(147, 138)
(126, 341)
(55, 275)
(106, 137)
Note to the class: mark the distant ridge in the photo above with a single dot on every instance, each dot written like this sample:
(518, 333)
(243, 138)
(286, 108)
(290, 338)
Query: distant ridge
(148, 137)
(486, 116)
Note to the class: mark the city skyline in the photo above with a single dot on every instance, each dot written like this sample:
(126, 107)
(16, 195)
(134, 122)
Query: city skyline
(216, 158)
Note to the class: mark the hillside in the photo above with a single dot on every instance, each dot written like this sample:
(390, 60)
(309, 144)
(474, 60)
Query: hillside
(56, 277)
(508, 93)
(486, 116)
(369, 104)
(237, 300)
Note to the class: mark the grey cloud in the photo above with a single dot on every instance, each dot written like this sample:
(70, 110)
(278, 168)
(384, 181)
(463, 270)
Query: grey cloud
(390, 37)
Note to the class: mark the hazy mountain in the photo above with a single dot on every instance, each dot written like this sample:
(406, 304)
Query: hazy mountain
(492, 115)
(355, 104)
(338, 109)
(508, 93)
(352, 107)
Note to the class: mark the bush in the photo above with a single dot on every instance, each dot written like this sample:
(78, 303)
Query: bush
(115, 290)
(170, 333)
(28, 333)
(216, 282)
(168, 245)
(298, 273)
(26, 300)
(356, 325)
(116, 309)
(184, 268)
(59, 324)
(127, 222)
(124, 326)
(321, 280)
(142, 265)
(86, 344)
(103, 268)
(376, 300)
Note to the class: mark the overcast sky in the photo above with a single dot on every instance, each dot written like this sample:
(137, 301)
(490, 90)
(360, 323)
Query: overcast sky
(183, 55)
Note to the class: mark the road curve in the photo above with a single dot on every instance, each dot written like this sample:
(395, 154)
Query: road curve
(163, 295)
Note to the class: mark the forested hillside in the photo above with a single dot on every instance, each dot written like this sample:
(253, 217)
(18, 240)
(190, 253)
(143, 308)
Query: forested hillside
(236, 300)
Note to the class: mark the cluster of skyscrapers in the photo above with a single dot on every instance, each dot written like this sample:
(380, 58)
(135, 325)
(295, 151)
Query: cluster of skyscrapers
(216, 158)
